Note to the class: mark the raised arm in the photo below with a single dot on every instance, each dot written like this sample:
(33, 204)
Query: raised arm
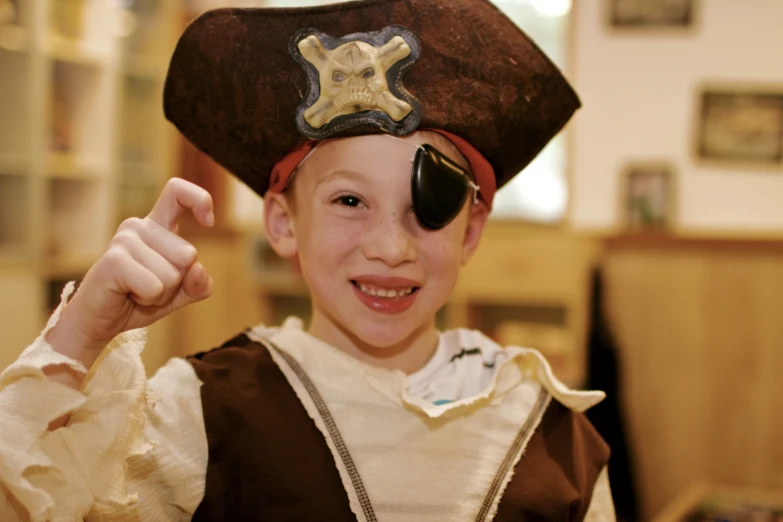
(146, 273)
(79, 445)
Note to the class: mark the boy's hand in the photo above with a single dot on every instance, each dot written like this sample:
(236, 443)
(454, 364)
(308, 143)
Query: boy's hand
(146, 273)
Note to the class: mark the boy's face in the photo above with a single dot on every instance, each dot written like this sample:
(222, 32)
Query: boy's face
(373, 272)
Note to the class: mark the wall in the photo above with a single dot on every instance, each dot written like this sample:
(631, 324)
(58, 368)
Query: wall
(639, 94)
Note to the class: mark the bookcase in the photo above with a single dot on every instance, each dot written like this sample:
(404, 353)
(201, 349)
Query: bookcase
(83, 141)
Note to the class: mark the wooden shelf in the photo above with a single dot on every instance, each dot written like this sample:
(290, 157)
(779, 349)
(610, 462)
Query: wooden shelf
(76, 52)
(14, 102)
(14, 257)
(81, 120)
(135, 200)
(687, 503)
(14, 215)
(11, 164)
(70, 166)
(140, 139)
(14, 38)
(281, 284)
(69, 267)
(74, 230)
(144, 67)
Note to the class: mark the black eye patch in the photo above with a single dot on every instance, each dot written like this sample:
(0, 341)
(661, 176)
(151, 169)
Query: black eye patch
(439, 187)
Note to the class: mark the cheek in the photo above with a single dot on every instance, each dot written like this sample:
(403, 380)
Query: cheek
(327, 240)
(444, 257)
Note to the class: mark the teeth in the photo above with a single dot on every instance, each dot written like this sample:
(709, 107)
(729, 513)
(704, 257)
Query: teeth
(382, 292)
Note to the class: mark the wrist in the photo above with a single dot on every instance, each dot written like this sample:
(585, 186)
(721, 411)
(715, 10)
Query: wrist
(69, 339)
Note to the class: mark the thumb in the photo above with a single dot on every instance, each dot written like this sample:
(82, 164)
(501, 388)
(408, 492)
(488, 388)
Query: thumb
(196, 286)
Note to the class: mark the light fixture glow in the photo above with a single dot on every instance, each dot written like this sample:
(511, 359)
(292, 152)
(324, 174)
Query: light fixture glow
(553, 8)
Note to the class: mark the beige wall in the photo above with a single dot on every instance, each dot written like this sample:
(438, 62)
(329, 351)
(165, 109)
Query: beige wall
(639, 91)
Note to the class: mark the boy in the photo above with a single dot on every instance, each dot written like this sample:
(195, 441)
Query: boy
(377, 133)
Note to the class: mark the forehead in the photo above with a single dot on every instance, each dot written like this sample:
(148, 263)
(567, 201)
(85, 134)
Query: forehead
(375, 150)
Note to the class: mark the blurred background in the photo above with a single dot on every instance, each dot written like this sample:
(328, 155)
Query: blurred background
(642, 252)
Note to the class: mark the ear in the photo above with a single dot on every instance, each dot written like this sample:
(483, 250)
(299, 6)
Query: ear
(279, 225)
(479, 212)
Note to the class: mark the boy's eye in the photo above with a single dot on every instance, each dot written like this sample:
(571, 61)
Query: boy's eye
(348, 201)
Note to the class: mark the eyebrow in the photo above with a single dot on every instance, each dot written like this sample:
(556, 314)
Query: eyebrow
(342, 173)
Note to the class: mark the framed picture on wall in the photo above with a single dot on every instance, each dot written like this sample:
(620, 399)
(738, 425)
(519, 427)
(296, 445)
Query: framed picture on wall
(740, 124)
(651, 13)
(648, 196)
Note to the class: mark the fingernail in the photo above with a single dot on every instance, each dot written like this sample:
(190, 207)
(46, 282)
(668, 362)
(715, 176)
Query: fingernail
(211, 218)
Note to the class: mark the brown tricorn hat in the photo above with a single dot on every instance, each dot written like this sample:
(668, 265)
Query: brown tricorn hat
(248, 86)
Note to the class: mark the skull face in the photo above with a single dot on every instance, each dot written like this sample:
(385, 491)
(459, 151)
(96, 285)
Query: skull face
(352, 78)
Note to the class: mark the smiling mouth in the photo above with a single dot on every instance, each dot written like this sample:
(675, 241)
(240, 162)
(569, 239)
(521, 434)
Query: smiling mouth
(385, 293)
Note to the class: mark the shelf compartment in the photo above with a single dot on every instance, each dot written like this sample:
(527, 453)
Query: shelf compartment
(544, 328)
(141, 137)
(137, 173)
(11, 163)
(284, 306)
(77, 231)
(75, 52)
(82, 31)
(135, 200)
(71, 166)
(14, 102)
(143, 67)
(13, 38)
(142, 27)
(14, 216)
(81, 113)
(19, 17)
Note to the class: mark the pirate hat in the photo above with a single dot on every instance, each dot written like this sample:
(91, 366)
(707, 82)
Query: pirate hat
(250, 86)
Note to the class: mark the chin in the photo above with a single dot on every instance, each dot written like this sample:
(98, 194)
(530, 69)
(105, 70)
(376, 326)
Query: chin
(384, 332)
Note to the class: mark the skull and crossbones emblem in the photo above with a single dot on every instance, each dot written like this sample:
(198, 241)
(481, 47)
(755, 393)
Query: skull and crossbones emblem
(352, 79)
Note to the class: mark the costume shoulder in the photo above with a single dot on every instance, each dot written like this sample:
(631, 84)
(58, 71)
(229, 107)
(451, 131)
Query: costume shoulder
(236, 363)
(240, 341)
(562, 461)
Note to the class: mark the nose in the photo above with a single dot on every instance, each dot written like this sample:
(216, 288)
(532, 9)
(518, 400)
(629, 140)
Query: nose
(390, 242)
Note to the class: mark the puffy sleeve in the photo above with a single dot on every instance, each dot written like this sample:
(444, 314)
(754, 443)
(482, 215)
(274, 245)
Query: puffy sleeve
(133, 449)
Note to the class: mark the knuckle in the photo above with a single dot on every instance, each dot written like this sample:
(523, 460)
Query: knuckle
(132, 223)
(151, 294)
(115, 256)
(170, 278)
(189, 254)
(176, 184)
(125, 238)
(154, 289)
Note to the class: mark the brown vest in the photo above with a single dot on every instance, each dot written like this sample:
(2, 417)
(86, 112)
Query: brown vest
(269, 462)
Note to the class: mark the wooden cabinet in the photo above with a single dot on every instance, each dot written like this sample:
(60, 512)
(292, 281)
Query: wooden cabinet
(698, 324)
(723, 503)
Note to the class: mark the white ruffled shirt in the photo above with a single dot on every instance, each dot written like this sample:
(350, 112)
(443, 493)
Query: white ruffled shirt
(135, 449)
(461, 367)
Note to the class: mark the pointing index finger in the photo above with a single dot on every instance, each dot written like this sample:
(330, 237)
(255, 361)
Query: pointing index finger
(178, 196)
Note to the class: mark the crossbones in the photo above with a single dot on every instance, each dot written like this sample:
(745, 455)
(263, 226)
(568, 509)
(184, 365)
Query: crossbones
(352, 78)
